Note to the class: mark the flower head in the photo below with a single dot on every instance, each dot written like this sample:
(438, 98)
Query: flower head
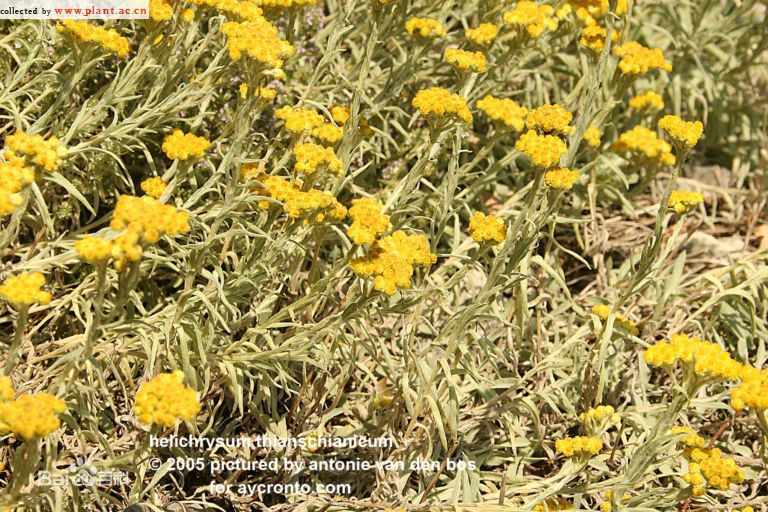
(644, 144)
(553, 119)
(752, 391)
(299, 120)
(94, 249)
(439, 103)
(544, 151)
(593, 136)
(46, 154)
(466, 61)
(649, 100)
(636, 59)
(684, 201)
(593, 38)
(154, 186)
(704, 358)
(561, 178)
(426, 29)
(82, 31)
(311, 158)
(505, 113)
(683, 133)
(31, 416)
(579, 446)
(368, 221)
(259, 40)
(487, 228)
(165, 399)
(24, 290)
(483, 35)
(534, 19)
(183, 146)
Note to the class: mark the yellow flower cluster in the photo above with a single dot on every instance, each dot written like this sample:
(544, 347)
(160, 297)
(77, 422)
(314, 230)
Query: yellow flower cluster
(258, 39)
(392, 259)
(160, 10)
(483, 35)
(440, 103)
(312, 158)
(643, 143)
(31, 416)
(691, 438)
(284, 4)
(24, 290)
(142, 220)
(6, 389)
(593, 38)
(263, 93)
(596, 416)
(704, 358)
(14, 176)
(683, 133)
(684, 201)
(636, 59)
(246, 9)
(368, 221)
(487, 228)
(506, 113)
(299, 120)
(561, 178)
(466, 61)
(328, 133)
(535, 19)
(593, 136)
(93, 249)
(708, 468)
(46, 154)
(424, 28)
(552, 119)
(649, 100)
(165, 399)
(86, 32)
(340, 115)
(579, 445)
(154, 186)
(553, 504)
(587, 10)
(297, 202)
(603, 310)
(544, 151)
(752, 391)
(182, 146)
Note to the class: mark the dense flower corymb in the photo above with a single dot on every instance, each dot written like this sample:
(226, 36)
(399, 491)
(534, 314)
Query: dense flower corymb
(534, 19)
(683, 133)
(182, 146)
(704, 358)
(579, 445)
(392, 259)
(636, 59)
(466, 61)
(297, 202)
(368, 221)
(504, 112)
(25, 289)
(483, 35)
(440, 103)
(94, 249)
(31, 416)
(311, 158)
(552, 119)
(593, 136)
(299, 120)
(752, 391)
(643, 143)
(544, 151)
(165, 399)
(487, 228)
(649, 100)
(424, 28)
(561, 178)
(259, 40)
(47, 154)
(154, 186)
(684, 201)
(89, 33)
(593, 38)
